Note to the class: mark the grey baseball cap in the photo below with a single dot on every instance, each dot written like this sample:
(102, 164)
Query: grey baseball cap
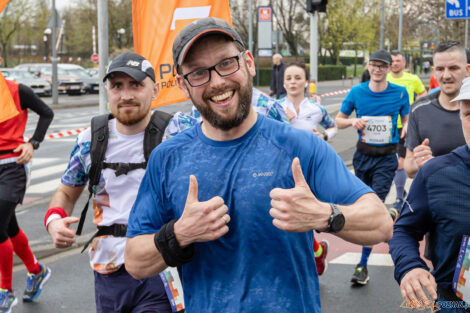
(382, 56)
(132, 64)
(464, 93)
(198, 29)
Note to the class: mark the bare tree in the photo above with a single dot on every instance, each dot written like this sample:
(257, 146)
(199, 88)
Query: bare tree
(240, 20)
(292, 19)
(15, 15)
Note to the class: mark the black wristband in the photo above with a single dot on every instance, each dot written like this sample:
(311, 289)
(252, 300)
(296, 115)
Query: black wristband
(169, 248)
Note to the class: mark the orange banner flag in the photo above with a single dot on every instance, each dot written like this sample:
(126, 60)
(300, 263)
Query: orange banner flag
(156, 24)
(7, 107)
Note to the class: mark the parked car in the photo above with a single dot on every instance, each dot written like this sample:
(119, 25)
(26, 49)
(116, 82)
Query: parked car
(92, 84)
(93, 71)
(67, 84)
(40, 86)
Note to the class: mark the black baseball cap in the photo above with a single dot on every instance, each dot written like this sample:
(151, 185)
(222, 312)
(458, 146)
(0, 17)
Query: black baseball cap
(382, 56)
(197, 30)
(132, 64)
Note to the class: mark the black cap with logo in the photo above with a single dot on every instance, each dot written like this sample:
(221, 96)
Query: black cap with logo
(197, 30)
(382, 56)
(132, 64)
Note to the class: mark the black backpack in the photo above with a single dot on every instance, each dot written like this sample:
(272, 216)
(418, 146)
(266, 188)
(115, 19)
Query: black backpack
(99, 143)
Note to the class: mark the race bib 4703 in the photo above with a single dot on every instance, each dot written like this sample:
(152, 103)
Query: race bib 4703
(378, 130)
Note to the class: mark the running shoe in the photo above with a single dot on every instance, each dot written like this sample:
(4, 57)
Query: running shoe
(320, 261)
(7, 300)
(398, 205)
(393, 213)
(34, 283)
(361, 275)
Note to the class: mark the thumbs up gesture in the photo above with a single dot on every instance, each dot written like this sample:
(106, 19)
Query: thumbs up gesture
(63, 236)
(201, 221)
(297, 209)
(422, 153)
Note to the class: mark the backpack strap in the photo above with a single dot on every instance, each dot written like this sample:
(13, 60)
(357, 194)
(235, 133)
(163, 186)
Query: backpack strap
(154, 132)
(99, 143)
(124, 168)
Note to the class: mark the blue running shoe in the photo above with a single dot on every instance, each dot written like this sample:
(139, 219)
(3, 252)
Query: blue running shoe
(34, 283)
(7, 300)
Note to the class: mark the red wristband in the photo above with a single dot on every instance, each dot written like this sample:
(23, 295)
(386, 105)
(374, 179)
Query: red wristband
(54, 210)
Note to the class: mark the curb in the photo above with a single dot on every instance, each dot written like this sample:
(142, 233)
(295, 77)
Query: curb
(71, 106)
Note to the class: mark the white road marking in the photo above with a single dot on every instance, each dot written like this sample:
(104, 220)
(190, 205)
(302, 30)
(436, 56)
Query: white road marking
(353, 258)
(44, 187)
(41, 161)
(43, 172)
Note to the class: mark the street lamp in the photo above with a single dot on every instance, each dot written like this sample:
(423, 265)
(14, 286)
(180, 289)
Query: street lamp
(45, 38)
(120, 32)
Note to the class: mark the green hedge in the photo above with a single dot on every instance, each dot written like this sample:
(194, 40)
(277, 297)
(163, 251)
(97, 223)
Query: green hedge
(331, 72)
(329, 61)
(325, 72)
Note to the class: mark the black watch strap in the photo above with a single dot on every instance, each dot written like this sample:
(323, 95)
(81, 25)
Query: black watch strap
(336, 222)
(34, 143)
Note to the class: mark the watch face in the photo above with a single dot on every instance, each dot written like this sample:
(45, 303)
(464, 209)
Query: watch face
(34, 143)
(338, 223)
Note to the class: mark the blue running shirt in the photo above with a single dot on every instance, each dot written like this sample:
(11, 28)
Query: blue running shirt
(393, 101)
(255, 267)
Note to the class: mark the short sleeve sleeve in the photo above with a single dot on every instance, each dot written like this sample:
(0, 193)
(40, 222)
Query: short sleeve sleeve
(76, 173)
(348, 105)
(412, 135)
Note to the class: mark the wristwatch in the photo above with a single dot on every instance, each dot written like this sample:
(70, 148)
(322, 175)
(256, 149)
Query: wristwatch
(336, 222)
(35, 143)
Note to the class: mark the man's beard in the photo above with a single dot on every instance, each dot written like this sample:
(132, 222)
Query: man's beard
(132, 117)
(243, 109)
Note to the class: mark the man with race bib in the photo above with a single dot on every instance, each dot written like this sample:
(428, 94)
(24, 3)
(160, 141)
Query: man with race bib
(377, 104)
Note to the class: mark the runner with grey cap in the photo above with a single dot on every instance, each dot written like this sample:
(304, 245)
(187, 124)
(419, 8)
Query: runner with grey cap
(377, 104)
(227, 201)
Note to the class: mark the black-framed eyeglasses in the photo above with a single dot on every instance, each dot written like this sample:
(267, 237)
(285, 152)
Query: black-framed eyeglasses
(381, 67)
(224, 68)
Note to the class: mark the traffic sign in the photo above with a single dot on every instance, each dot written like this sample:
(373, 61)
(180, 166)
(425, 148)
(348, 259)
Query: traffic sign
(456, 9)
(94, 57)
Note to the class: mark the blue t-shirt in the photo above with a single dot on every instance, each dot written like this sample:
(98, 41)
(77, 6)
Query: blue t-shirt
(255, 267)
(393, 101)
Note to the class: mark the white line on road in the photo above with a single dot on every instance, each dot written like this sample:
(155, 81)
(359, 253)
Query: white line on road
(44, 187)
(56, 169)
(41, 161)
(353, 258)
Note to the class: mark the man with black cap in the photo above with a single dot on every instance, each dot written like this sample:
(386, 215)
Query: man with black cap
(438, 204)
(227, 202)
(130, 84)
(378, 104)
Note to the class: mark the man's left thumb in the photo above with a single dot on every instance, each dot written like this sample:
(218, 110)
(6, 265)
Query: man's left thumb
(299, 178)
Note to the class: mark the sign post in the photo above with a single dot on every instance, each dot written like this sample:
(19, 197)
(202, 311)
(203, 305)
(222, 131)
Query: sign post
(458, 9)
(265, 28)
(94, 58)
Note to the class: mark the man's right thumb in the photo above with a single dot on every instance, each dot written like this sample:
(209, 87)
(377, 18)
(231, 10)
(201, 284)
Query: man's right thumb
(192, 190)
(426, 142)
(70, 220)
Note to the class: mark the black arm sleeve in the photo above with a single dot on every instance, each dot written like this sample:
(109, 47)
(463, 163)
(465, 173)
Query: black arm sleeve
(29, 100)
